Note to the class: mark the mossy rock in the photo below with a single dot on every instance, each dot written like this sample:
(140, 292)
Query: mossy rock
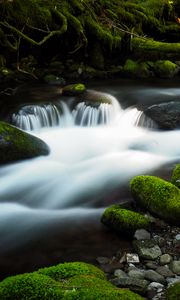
(173, 292)
(92, 288)
(30, 287)
(165, 68)
(176, 176)
(137, 69)
(158, 196)
(124, 221)
(73, 89)
(54, 80)
(92, 96)
(16, 144)
(67, 270)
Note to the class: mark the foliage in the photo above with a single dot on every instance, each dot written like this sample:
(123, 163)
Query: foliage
(173, 292)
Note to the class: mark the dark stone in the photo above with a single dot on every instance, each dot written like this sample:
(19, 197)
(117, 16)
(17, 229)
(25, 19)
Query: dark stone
(166, 115)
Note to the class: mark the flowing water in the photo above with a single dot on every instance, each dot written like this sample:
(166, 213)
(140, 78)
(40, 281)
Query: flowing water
(95, 151)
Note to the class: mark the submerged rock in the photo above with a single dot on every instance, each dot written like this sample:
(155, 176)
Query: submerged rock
(157, 196)
(123, 221)
(95, 97)
(16, 144)
(166, 115)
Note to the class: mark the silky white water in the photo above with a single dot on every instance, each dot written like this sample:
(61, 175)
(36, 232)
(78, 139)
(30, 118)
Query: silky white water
(86, 164)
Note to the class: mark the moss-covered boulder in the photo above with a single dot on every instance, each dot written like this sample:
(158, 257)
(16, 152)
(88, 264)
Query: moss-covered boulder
(124, 221)
(93, 288)
(136, 69)
(67, 270)
(175, 179)
(92, 97)
(165, 69)
(73, 89)
(16, 144)
(30, 287)
(173, 292)
(158, 196)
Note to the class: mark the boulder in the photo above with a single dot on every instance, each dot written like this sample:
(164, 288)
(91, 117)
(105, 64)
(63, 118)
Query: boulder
(93, 97)
(123, 220)
(73, 89)
(16, 144)
(175, 179)
(166, 115)
(165, 68)
(158, 196)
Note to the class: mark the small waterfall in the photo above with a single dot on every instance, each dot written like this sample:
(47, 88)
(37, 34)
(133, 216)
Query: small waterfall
(34, 117)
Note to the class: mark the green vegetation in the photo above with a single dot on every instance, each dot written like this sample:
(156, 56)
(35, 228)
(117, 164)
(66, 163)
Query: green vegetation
(123, 221)
(173, 292)
(67, 270)
(15, 144)
(30, 287)
(176, 176)
(74, 89)
(71, 281)
(96, 34)
(158, 196)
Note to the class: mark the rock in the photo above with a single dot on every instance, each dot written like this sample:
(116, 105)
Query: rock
(54, 80)
(175, 179)
(165, 259)
(120, 273)
(123, 221)
(102, 260)
(165, 115)
(165, 69)
(136, 273)
(93, 97)
(173, 292)
(173, 280)
(175, 267)
(155, 286)
(147, 249)
(134, 284)
(132, 258)
(165, 271)
(16, 144)
(177, 237)
(151, 265)
(73, 89)
(142, 234)
(152, 275)
(160, 197)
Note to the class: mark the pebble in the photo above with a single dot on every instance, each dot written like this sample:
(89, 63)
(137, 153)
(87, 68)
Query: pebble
(165, 259)
(142, 234)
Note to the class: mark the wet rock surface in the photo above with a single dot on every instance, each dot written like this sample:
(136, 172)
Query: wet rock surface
(152, 275)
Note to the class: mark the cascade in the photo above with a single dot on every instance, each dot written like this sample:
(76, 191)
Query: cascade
(86, 165)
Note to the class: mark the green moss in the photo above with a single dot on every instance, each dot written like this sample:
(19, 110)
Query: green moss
(137, 69)
(175, 179)
(92, 288)
(173, 292)
(74, 89)
(157, 196)
(123, 221)
(67, 270)
(30, 287)
(16, 144)
(165, 68)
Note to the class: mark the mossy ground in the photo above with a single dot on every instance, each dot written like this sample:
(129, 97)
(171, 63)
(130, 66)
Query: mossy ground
(173, 292)
(75, 281)
(157, 196)
(176, 176)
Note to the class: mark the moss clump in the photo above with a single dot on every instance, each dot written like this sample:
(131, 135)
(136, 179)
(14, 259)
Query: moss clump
(15, 144)
(137, 69)
(173, 292)
(165, 68)
(176, 176)
(157, 196)
(74, 89)
(67, 270)
(30, 287)
(123, 221)
(92, 288)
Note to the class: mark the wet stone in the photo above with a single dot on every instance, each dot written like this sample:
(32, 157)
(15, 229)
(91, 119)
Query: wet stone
(120, 273)
(151, 265)
(134, 284)
(136, 273)
(153, 276)
(102, 260)
(142, 234)
(165, 271)
(147, 249)
(175, 267)
(165, 259)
